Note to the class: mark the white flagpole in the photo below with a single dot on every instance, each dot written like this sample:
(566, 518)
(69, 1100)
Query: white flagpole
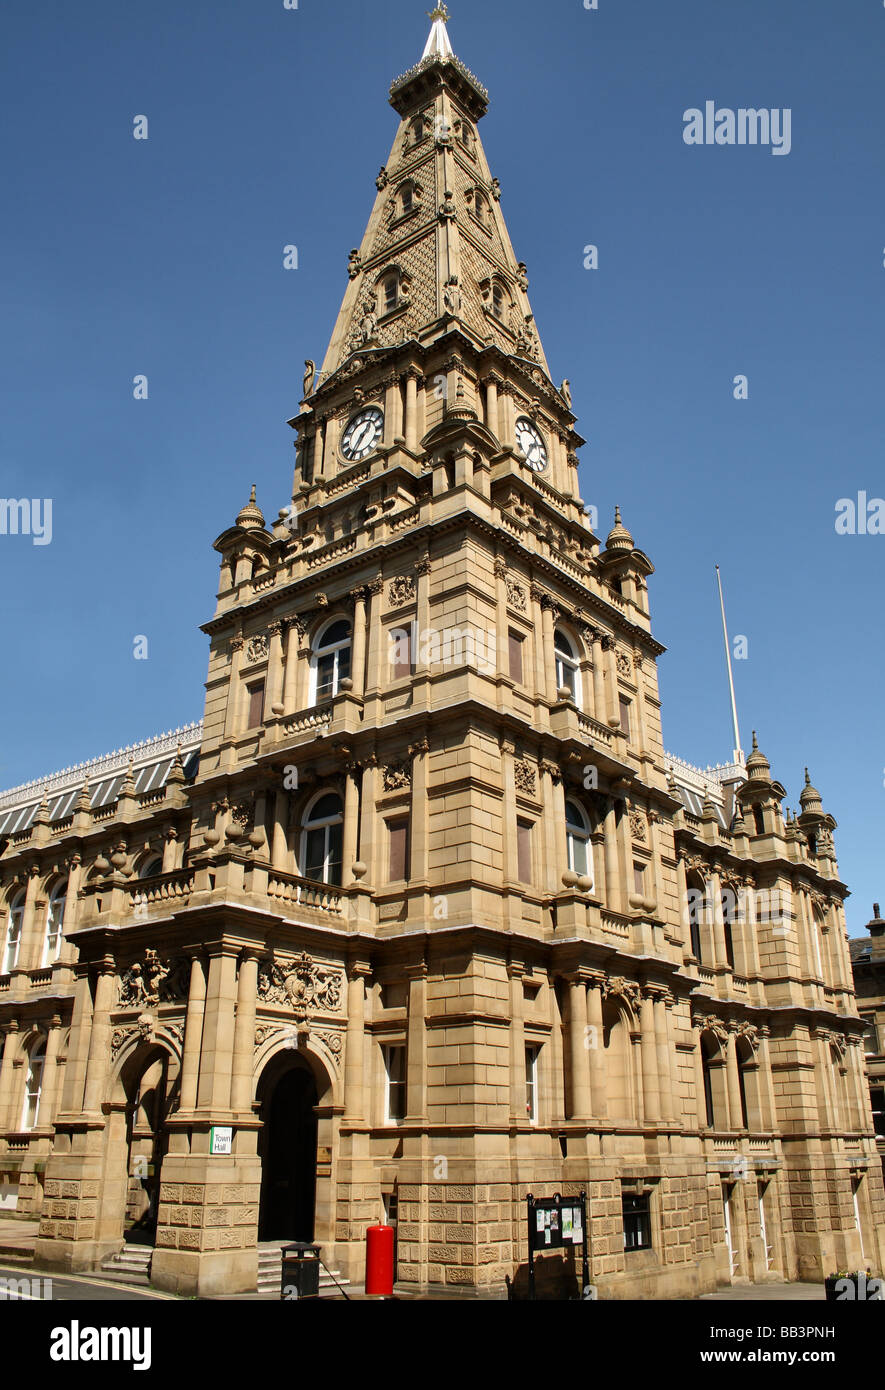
(738, 751)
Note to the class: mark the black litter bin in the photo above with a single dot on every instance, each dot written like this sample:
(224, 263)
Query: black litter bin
(301, 1270)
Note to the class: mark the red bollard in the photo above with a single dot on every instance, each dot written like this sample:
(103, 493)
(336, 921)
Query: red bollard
(379, 1261)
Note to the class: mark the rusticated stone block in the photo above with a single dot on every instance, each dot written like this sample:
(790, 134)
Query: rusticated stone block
(48, 1229)
(191, 1192)
(217, 1216)
(52, 1188)
(459, 1233)
(232, 1195)
(170, 1192)
(231, 1240)
(197, 1215)
(59, 1209)
(89, 1208)
(456, 1274)
(249, 1217)
(189, 1240)
(165, 1237)
(179, 1216)
(67, 1230)
(91, 1187)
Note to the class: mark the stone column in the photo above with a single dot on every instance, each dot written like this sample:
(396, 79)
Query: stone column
(69, 921)
(599, 705)
(598, 1087)
(625, 855)
(548, 611)
(508, 812)
(700, 1090)
(279, 858)
(78, 1048)
(419, 817)
(515, 971)
(369, 820)
(358, 664)
(29, 949)
(665, 1059)
(416, 1045)
(538, 643)
(682, 891)
(614, 896)
(492, 406)
(290, 684)
(732, 1067)
(231, 716)
(412, 410)
(553, 827)
(651, 1094)
(99, 1058)
(193, 1036)
(355, 1106)
(393, 425)
(275, 668)
(502, 666)
(10, 1044)
(351, 822)
(244, 1033)
(213, 1090)
(49, 1084)
(613, 715)
(422, 617)
(714, 891)
(766, 1080)
(378, 669)
(579, 1054)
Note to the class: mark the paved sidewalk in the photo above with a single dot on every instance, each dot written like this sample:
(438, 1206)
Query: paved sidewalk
(767, 1293)
(18, 1236)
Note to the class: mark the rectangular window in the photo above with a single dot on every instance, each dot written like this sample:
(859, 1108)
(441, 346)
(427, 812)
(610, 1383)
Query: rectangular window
(398, 833)
(871, 1035)
(639, 880)
(624, 708)
(395, 1092)
(524, 851)
(637, 1221)
(401, 651)
(514, 654)
(256, 705)
(531, 1083)
(877, 1098)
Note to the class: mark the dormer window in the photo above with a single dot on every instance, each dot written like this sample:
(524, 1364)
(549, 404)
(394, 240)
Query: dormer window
(391, 293)
(417, 131)
(498, 302)
(393, 290)
(481, 208)
(405, 196)
(467, 136)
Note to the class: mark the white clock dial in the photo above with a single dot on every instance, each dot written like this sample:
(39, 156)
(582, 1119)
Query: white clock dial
(363, 433)
(531, 441)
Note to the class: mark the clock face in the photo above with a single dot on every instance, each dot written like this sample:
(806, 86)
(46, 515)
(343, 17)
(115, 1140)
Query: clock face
(531, 441)
(362, 433)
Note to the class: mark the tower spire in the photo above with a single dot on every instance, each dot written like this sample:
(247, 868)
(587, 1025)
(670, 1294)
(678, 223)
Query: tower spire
(438, 45)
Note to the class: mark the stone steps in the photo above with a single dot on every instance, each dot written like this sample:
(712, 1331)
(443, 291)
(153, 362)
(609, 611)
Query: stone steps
(270, 1274)
(131, 1265)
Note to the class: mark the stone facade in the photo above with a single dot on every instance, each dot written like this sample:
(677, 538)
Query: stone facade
(422, 913)
(868, 962)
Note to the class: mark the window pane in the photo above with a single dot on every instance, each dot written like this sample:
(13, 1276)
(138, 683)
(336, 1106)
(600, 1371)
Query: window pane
(256, 704)
(335, 854)
(524, 851)
(325, 675)
(314, 854)
(577, 854)
(624, 706)
(514, 643)
(399, 834)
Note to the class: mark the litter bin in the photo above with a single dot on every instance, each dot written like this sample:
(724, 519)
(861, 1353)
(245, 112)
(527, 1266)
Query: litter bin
(301, 1270)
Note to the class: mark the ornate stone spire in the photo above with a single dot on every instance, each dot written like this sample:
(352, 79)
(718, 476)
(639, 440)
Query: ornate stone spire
(810, 798)
(251, 517)
(619, 537)
(436, 247)
(758, 766)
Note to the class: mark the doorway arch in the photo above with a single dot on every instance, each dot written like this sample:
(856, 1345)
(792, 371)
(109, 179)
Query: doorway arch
(143, 1094)
(288, 1096)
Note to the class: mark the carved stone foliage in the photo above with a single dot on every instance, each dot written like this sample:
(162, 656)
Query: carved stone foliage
(396, 777)
(748, 1031)
(516, 596)
(709, 1023)
(155, 981)
(618, 988)
(144, 1030)
(638, 826)
(256, 648)
(302, 984)
(624, 664)
(402, 590)
(525, 778)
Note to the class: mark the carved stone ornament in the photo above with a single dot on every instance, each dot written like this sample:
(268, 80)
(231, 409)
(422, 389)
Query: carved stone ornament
(256, 648)
(302, 984)
(155, 981)
(624, 664)
(837, 1040)
(709, 1023)
(516, 596)
(638, 827)
(402, 590)
(747, 1030)
(524, 778)
(616, 986)
(396, 777)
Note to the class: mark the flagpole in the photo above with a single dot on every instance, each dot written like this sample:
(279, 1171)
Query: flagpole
(738, 751)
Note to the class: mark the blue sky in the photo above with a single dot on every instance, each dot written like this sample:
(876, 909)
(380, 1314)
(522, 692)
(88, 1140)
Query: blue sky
(267, 127)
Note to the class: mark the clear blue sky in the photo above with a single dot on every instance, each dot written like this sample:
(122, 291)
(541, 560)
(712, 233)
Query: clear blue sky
(267, 126)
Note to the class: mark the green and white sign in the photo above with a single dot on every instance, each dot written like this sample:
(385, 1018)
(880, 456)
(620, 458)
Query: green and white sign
(221, 1139)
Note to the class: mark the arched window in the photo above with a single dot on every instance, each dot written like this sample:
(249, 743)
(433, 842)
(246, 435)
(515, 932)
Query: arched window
(577, 832)
(330, 662)
(728, 917)
(417, 130)
(321, 839)
(618, 1048)
(466, 135)
(481, 208)
(13, 933)
(152, 866)
(406, 198)
(758, 820)
(55, 913)
(710, 1063)
(568, 673)
(33, 1084)
(696, 899)
(498, 301)
(748, 1085)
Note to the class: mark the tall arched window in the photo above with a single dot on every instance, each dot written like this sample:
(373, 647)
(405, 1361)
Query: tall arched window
(330, 662)
(498, 301)
(152, 866)
(321, 839)
(577, 833)
(33, 1084)
(568, 671)
(55, 913)
(13, 933)
(696, 898)
(710, 1054)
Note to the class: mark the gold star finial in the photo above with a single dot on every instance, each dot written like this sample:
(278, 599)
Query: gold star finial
(440, 12)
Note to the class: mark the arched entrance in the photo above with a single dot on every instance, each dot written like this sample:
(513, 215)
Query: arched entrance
(149, 1080)
(287, 1146)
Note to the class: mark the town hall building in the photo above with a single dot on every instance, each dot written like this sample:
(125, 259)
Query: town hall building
(421, 917)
